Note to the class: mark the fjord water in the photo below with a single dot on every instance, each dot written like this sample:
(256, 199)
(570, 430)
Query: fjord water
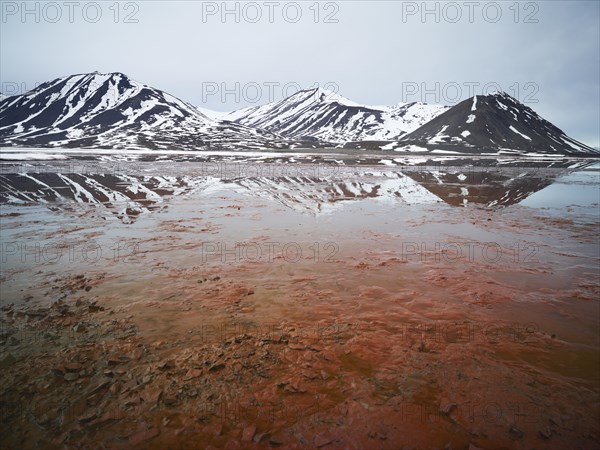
(448, 302)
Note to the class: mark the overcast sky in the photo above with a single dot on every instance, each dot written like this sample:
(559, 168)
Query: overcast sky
(546, 54)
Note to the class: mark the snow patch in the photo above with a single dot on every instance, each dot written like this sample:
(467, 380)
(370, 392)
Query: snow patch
(438, 138)
(519, 133)
(29, 156)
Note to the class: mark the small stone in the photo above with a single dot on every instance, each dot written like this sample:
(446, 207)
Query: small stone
(294, 388)
(555, 420)
(72, 367)
(193, 373)
(545, 433)
(115, 388)
(87, 417)
(153, 396)
(169, 401)
(259, 437)
(248, 433)
(114, 360)
(166, 365)
(322, 441)
(137, 354)
(131, 385)
(516, 433)
(446, 407)
(132, 401)
(309, 374)
(474, 447)
(216, 367)
(78, 327)
(275, 440)
(71, 376)
(102, 383)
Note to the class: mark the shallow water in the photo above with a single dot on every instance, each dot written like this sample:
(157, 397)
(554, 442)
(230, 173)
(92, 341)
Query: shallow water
(421, 305)
(578, 189)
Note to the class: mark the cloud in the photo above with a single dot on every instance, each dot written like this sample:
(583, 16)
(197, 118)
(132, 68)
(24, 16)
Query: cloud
(369, 50)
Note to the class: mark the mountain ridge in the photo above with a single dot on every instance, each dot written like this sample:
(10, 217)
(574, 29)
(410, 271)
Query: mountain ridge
(110, 110)
(324, 115)
(113, 111)
(495, 121)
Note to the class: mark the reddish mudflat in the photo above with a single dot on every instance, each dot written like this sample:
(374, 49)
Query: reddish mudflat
(298, 313)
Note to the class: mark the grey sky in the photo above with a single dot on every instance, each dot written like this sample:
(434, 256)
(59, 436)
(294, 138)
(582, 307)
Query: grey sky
(372, 55)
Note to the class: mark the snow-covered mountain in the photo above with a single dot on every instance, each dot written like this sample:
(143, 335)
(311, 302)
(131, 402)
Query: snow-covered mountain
(113, 111)
(493, 123)
(324, 115)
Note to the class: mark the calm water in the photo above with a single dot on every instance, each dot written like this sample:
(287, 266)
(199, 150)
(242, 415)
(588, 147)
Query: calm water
(469, 282)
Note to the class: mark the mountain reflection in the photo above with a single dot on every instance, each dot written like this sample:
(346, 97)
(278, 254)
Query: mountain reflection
(490, 186)
(136, 189)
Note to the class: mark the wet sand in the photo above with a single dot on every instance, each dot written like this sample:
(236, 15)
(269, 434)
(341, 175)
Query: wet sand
(240, 318)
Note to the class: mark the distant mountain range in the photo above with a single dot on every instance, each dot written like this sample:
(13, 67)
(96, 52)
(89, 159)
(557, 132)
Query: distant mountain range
(325, 116)
(112, 111)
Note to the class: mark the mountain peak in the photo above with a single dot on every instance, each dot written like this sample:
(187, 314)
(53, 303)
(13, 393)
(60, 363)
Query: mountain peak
(97, 72)
(89, 107)
(493, 123)
(323, 114)
(496, 94)
(322, 95)
(97, 78)
(110, 110)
